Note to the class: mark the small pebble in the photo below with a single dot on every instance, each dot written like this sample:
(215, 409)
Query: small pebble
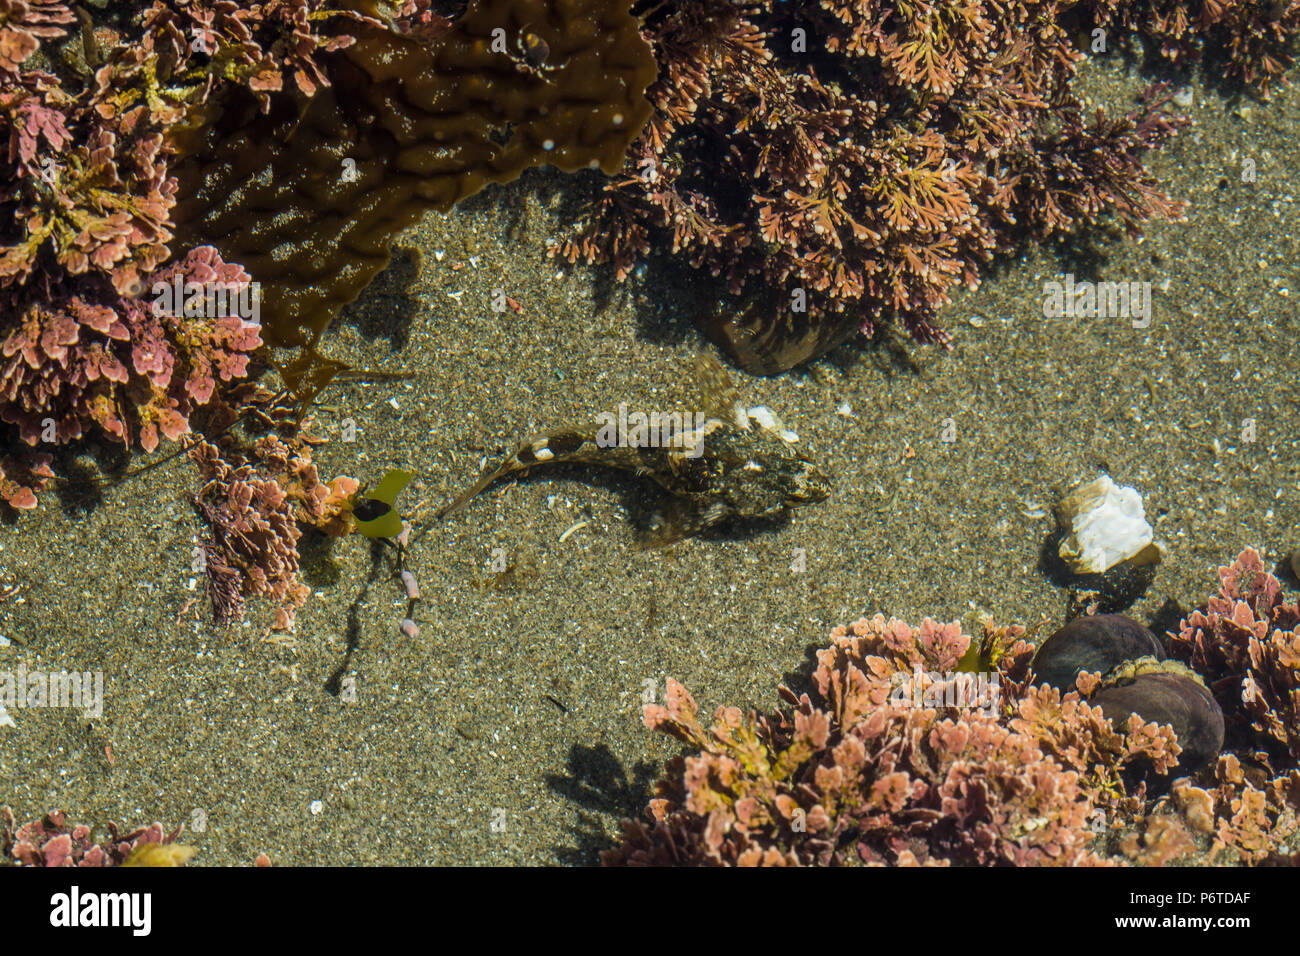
(412, 588)
(316, 807)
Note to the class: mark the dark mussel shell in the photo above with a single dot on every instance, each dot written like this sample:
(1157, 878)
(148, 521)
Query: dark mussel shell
(1165, 692)
(1097, 644)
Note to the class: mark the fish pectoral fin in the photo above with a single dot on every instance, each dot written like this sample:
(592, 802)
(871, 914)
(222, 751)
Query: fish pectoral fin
(718, 394)
(678, 520)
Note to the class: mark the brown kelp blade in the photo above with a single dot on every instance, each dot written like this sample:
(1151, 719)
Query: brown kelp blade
(309, 196)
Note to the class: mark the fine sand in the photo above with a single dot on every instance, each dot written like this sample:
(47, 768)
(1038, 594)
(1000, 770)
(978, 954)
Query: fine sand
(509, 730)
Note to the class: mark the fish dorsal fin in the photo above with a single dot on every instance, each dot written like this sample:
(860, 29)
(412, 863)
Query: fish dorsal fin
(719, 397)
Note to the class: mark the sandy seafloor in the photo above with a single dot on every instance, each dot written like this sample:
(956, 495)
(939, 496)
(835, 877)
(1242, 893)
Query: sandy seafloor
(509, 731)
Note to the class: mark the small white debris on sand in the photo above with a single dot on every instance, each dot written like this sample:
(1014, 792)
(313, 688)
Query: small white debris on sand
(1104, 524)
(572, 528)
(766, 419)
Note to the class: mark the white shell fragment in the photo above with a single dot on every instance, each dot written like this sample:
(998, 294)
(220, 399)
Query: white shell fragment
(765, 418)
(1104, 524)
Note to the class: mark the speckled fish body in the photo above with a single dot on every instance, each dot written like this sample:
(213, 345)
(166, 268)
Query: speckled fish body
(714, 472)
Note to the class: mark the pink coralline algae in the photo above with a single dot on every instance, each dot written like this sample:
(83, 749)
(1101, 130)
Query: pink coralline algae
(853, 773)
(85, 206)
(838, 161)
(1248, 42)
(135, 371)
(253, 504)
(253, 548)
(323, 505)
(21, 477)
(22, 22)
(1246, 642)
(92, 192)
(50, 841)
(87, 197)
(81, 343)
(263, 46)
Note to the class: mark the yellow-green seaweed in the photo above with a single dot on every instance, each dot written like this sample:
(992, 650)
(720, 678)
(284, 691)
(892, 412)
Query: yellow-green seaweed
(374, 514)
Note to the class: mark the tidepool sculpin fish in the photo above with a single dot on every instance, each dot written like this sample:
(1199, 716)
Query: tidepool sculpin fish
(727, 463)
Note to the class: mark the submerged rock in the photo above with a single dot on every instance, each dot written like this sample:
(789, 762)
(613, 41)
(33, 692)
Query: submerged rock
(1136, 679)
(1095, 644)
(1165, 692)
